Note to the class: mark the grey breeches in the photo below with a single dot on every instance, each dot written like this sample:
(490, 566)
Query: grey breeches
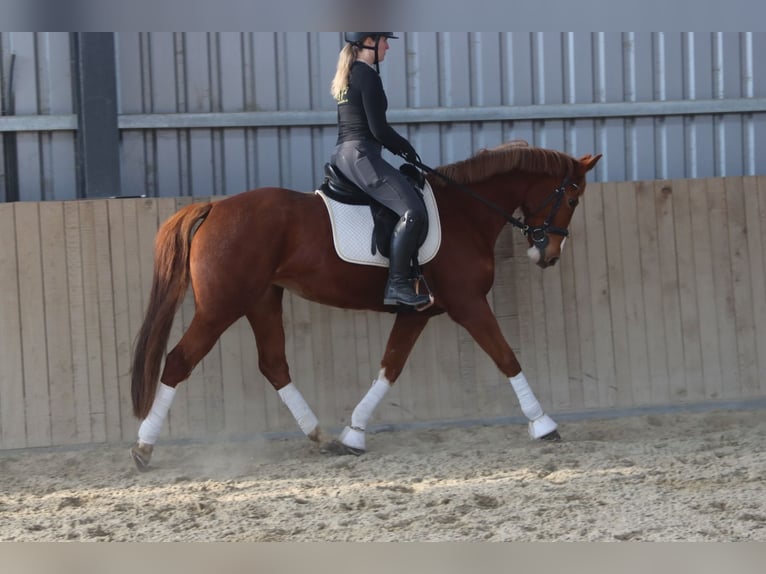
(361, 162)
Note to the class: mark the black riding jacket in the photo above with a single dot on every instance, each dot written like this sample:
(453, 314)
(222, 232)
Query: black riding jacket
(362, 111)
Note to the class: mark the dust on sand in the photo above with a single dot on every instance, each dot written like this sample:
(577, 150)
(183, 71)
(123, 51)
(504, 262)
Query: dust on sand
(689, 476)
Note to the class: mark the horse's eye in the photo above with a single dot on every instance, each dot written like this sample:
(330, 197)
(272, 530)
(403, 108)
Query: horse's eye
(573, 202)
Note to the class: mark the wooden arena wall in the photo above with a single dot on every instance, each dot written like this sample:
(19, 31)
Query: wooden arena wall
(660, 299)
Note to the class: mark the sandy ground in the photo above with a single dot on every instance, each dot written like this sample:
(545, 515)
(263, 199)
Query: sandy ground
(691, 476)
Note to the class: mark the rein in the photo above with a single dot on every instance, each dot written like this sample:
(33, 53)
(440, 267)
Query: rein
(537, 233)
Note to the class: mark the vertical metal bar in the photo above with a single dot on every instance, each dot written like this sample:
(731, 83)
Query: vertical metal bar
(10, 152)
(719, 124)
(691, 94)
(95, 89)
(599, 96)
(569, 70)
(660, 94)
(629, 95)
(748, 124)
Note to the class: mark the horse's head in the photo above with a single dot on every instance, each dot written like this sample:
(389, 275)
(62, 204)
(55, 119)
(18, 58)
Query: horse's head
(548, 210)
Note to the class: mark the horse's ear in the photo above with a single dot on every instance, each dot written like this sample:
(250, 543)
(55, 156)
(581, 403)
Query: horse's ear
(588, 162)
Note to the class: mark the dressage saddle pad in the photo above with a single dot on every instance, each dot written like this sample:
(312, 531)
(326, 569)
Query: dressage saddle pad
(352, 231)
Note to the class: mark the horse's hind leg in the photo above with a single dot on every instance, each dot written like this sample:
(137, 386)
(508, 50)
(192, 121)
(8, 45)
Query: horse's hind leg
(190, 350)
(265, 317)
(405, 332)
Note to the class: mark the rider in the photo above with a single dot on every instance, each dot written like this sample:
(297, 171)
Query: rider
(362, 131)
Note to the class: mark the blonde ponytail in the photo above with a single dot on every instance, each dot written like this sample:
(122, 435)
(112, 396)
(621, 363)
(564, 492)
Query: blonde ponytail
(339, 84)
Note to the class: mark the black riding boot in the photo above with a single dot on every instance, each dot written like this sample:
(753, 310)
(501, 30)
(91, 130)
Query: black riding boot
(404, 242)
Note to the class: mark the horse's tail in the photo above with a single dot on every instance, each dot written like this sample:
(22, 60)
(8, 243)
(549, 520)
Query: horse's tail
(170, 281)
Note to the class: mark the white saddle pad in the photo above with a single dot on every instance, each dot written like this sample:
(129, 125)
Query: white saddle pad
(352, 231)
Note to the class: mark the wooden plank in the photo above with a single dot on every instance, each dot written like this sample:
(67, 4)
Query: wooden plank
(674, 377)
(232, 383)
(447, 390)
(99, 359)
(620, 393)
(212, 376)
(118, 327)
(756, 187)
(723, 297)
(255, 385)
(572, 255)
(210, 368)
(688, 384)
(12, 414)
(467, 351)
(739, 253)
(542, 348)
(706, 293)
(591, 299)
(555, 334)
(652, 281)
(77, 321)
(321, 339)
(57, 328)
(635, 308)
(344, 371)
(442, 334)
(366, 368)
(32, 312)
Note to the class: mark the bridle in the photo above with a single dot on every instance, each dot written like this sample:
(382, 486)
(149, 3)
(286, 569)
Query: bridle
(538, 234)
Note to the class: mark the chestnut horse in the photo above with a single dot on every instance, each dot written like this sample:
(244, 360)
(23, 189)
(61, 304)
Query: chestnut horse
(240, 254)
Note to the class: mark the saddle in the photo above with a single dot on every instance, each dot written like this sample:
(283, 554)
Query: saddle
(338, 187)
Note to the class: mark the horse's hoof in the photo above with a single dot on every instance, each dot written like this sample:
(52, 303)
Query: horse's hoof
(552, 436)
(141, 454)
(337, 448)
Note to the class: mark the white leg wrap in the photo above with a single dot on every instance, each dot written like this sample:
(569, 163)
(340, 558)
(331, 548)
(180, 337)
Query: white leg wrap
(299, 408)
(529, 404)
(353, 436)
(540, 424)
(150, 428)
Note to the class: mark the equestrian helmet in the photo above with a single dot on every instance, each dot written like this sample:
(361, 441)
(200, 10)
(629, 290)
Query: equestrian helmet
(358, 37)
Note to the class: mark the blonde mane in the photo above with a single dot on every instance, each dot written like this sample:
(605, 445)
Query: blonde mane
(515, 155)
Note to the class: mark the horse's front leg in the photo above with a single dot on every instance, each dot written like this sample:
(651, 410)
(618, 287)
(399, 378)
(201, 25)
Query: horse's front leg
(479, 320)
(405, 332)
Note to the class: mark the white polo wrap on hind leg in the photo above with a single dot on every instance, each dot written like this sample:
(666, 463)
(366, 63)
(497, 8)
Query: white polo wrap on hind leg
(540, 424)
(354, 436)
(150, 428)
(299, 408)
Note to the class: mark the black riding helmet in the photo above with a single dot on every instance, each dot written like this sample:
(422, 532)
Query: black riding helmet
(356, 38)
